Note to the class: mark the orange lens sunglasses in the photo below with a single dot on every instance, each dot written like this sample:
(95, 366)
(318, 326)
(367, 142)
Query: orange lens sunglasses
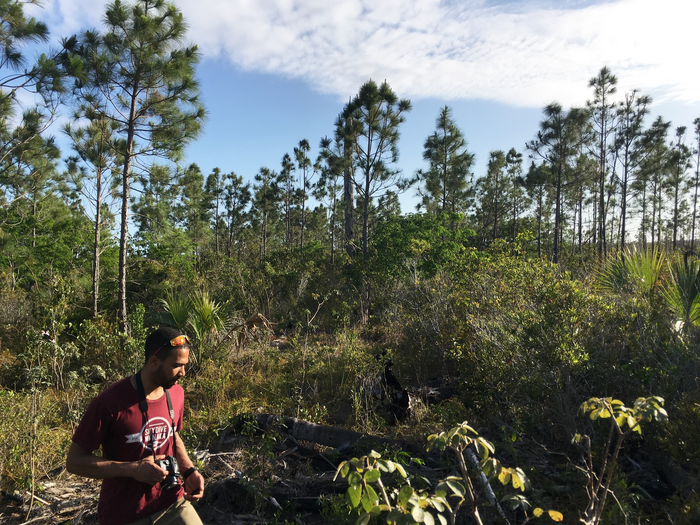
(177, 341)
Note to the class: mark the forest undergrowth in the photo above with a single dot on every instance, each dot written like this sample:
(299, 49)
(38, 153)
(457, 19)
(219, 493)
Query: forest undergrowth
(518, 343)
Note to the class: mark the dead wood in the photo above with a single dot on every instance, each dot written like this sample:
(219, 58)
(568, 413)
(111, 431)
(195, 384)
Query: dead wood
(254, 328)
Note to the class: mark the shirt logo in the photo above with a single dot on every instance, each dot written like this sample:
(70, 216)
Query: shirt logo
(157, 431)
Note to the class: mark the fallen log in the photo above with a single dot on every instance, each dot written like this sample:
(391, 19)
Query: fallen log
(325, 435)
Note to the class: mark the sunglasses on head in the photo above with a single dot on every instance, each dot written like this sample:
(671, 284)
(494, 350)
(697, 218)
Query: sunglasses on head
(175, 342)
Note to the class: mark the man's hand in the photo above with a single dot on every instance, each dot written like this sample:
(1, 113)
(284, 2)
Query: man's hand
(194, 486)
(148, 472)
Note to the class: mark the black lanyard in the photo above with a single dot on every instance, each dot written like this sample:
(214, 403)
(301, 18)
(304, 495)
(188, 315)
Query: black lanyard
(143, 405)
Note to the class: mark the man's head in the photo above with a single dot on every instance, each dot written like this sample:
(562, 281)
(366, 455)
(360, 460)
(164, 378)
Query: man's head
(167, 355)
(161, 342)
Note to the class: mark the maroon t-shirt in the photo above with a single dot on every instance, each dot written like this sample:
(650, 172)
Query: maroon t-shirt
(114, 421)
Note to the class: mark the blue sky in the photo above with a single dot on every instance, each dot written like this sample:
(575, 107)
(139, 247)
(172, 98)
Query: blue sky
(277, 71)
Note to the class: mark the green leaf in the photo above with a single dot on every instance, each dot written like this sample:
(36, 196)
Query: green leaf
(366, 503)
(457, 487)
(405, 495)
(354, 495)
(355, 478)
(372, 495)
(343, 470)
(371, 476)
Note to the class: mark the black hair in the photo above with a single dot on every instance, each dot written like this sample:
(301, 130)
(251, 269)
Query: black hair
(160, 340)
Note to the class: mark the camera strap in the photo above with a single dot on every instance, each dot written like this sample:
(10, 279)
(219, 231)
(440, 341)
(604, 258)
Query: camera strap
(143, 406)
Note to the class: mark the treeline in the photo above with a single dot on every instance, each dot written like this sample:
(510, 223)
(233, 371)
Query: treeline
(596, 177)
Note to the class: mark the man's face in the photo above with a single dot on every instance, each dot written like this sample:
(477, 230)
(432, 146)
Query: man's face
(172, 368)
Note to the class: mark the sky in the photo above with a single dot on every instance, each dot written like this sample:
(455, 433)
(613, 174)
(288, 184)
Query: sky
(274, 72)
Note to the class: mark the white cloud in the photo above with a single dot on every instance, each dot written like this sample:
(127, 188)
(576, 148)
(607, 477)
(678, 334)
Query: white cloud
(523, 53)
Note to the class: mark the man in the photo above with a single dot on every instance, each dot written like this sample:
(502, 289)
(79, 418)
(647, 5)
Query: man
(136, 421)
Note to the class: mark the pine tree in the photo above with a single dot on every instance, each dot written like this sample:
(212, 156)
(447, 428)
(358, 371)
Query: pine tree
(630, 118)
(331, 166)
(236, 198)
(447, 181)
(97, 157)
(214, 187)
(146, 78)
(557, 143)
(696, 182)
(653, 155)
(266, 197)
(602, 113)
(679, 163)
(303, 164)
(370, 122)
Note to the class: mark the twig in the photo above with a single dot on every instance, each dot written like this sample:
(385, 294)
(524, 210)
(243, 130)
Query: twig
(37, 498)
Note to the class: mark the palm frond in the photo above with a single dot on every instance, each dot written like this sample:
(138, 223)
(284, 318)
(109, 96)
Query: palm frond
(683, 292)
(632, 271)
(177, 310)
(205, 316)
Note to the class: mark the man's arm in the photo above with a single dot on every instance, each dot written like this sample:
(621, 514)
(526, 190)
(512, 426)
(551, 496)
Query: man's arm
(194, 484)
(86, 464)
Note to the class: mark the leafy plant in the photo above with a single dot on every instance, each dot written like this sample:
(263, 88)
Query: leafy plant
(632, 271)
(459, 439)
(206, 316)
(177, 310)
(623, 421)
(683, 294)
(405, 504)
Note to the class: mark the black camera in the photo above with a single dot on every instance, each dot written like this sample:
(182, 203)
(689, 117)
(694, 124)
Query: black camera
(171, 480)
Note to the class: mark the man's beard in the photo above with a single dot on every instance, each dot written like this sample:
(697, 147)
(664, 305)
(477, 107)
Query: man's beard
(167, 384)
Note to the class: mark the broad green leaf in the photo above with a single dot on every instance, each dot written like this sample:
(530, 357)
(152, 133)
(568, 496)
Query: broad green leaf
(355, 478)
(405, 495)
(371, 476)
(366, 501)
(354, 495)
(372, 495)
(456, 487)
(441, 489)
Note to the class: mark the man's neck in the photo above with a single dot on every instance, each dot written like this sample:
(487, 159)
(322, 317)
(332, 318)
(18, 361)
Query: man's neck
(152, 389)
